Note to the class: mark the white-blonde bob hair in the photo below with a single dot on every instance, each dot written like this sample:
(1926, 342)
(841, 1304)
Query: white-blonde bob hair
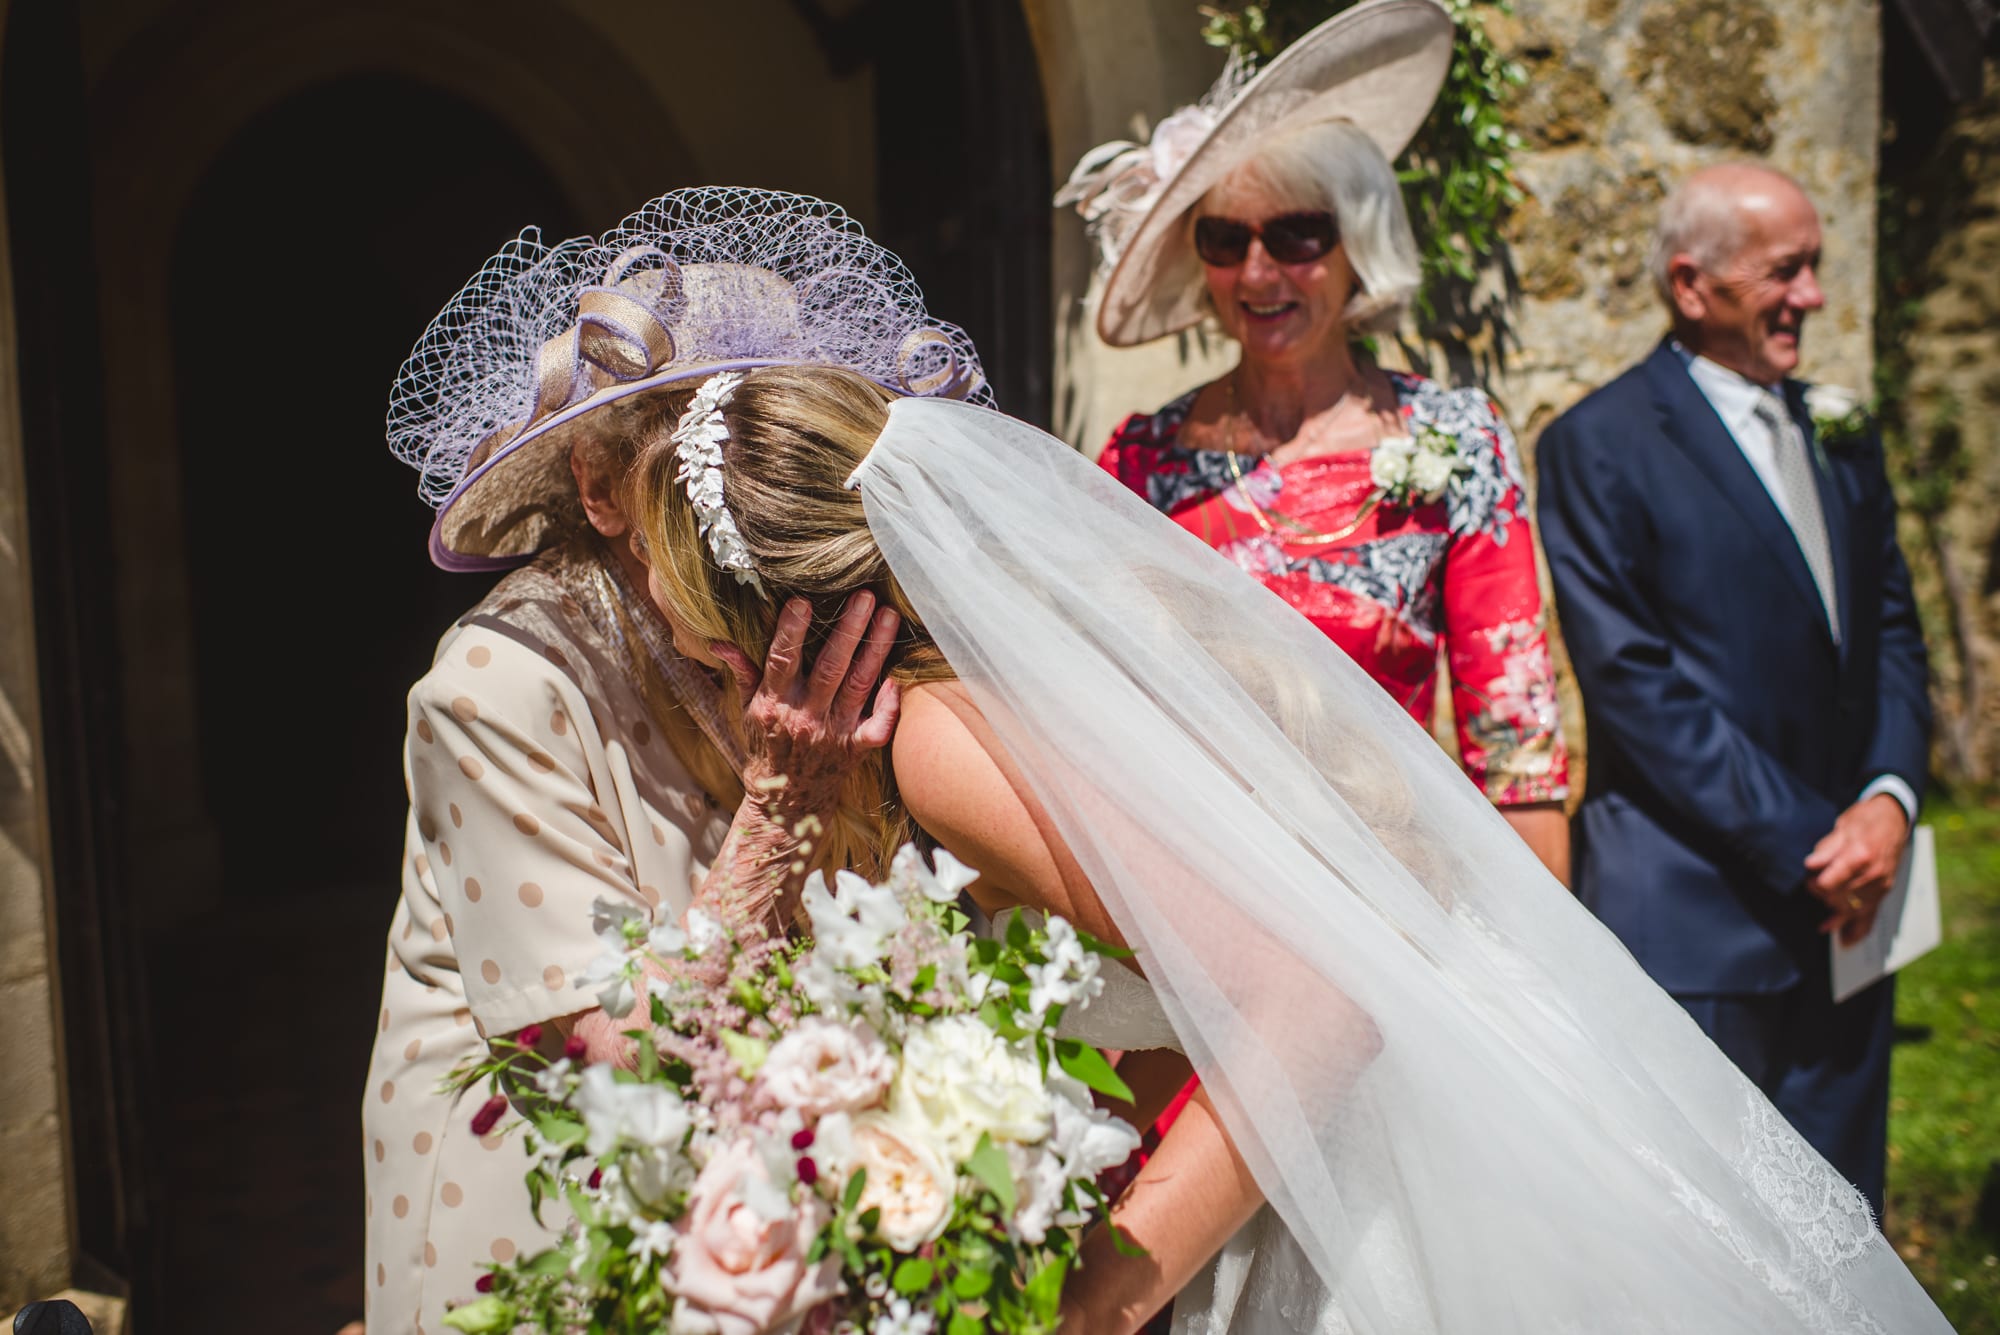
(1335, 166)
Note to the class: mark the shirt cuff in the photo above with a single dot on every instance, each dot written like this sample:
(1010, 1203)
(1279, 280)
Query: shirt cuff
(1905, 796)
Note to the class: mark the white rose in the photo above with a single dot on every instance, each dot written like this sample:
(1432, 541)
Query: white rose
(1389, 462)
(960, 1081)
(1830, 403)
(823, 1066)
(1429, 472)
(908, 1180)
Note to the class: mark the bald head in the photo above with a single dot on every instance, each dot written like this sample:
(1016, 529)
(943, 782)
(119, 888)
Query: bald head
(1735, 259)
(1707, 216)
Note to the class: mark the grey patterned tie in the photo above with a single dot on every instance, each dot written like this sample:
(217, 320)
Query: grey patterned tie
(1800, 501)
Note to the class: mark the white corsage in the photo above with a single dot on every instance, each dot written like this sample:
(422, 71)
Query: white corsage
(1409, 472)
(698, 440)
(1839, 417)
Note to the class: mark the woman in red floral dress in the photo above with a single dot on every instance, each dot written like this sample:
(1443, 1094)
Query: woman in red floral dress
(1391, 582)
(1388, 509)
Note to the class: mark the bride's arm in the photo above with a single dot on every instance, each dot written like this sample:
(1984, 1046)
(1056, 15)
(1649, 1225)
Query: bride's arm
(1195, 1192)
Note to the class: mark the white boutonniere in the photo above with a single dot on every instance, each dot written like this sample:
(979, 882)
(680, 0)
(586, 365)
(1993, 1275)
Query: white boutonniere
(1839, 416)
(1409, 471)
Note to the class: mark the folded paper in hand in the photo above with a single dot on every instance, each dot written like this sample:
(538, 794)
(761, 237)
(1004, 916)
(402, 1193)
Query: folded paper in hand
(1907, 926)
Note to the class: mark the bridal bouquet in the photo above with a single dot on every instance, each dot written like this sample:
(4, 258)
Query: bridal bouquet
(877, 1132)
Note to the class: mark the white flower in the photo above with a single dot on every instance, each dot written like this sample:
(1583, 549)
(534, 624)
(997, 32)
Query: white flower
(941, 886)
(654, 1238)
(909, 1180)
(553, 1079)
(1429, 471)
(902, 1319)
(666, 939)
(829, 989)
(1069, 976)
(825, 1066)
(703, 931)
(615, 1113)
(1039, 1183)
(654, 1174)
(833, 1144)
(1088, 1139)
(611, 976)
(1830, 403)
(852, 925)
(617, 924)
(960, 1081)
(1389, 462)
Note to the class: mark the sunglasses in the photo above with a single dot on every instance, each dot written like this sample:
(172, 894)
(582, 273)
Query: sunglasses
(1294, 238)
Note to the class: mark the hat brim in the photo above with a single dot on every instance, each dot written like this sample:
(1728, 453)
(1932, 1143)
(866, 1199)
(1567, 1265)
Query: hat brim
(1379, 65)
(513, 504)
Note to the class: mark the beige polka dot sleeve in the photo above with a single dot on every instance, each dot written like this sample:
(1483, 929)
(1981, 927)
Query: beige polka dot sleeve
(509, 777)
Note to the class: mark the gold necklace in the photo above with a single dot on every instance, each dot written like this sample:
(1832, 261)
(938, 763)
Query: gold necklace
(1298, 532)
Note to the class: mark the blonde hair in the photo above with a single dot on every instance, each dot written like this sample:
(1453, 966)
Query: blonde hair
(795, 434)
(1335, 166)
(608, 442)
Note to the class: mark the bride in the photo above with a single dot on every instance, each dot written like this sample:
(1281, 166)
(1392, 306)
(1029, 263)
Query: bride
(1436, 1095)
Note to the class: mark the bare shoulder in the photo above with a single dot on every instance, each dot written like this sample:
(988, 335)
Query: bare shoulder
(963, 788)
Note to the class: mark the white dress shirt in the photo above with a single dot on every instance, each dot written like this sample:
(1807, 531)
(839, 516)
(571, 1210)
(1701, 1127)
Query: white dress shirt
(1735, 398)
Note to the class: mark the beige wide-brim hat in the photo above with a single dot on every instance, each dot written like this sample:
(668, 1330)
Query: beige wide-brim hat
(1378, 65)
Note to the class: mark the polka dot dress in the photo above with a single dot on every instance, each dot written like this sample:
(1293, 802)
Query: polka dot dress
(537, 785)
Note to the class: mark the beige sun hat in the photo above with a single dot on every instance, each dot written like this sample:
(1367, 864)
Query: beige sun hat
(1378, 65)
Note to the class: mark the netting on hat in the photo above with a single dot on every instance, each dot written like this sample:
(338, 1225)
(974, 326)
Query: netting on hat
(704, 275)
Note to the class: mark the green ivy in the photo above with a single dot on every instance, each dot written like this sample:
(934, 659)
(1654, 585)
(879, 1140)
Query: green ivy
(1458, 173)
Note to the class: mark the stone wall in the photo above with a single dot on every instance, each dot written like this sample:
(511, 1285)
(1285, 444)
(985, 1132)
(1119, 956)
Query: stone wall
(1943, 361)
(1624, 98)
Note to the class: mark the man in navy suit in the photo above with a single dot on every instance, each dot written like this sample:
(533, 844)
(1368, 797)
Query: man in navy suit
(1754, 683)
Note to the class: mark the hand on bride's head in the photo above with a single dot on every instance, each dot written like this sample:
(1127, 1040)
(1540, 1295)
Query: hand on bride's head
(806, 728)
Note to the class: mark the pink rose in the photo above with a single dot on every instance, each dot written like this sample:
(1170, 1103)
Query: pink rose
(823, 1067)
(741, 1269)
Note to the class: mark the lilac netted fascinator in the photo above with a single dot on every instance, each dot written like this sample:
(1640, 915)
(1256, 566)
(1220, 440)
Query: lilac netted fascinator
(697, 281)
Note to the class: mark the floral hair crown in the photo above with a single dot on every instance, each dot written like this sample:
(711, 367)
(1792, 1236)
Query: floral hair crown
(698, 439)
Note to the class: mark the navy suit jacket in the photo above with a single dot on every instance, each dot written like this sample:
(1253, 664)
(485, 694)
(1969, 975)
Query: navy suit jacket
(1726, 728)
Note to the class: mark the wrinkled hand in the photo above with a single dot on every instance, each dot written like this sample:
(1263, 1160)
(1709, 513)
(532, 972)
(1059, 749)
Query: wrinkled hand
(804, 731)
(1853, 868)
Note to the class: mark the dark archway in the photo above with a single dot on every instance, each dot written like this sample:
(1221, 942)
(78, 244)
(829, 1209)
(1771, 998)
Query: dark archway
(316, 248)
(318, 244)
(962, 171)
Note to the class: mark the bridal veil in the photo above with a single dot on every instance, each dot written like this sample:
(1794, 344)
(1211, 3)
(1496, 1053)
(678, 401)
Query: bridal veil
(1469, 1109)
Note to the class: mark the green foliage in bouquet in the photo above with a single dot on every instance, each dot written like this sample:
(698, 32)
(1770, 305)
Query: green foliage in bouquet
(1458, 173)
(877, 1131)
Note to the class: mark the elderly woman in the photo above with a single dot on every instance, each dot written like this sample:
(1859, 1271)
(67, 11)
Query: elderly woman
(564, 761)
(1388, 510)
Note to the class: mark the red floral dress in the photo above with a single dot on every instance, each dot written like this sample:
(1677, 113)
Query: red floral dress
(1389, 588)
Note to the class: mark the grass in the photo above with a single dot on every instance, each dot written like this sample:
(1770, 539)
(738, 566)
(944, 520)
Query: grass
(1944, 1110)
